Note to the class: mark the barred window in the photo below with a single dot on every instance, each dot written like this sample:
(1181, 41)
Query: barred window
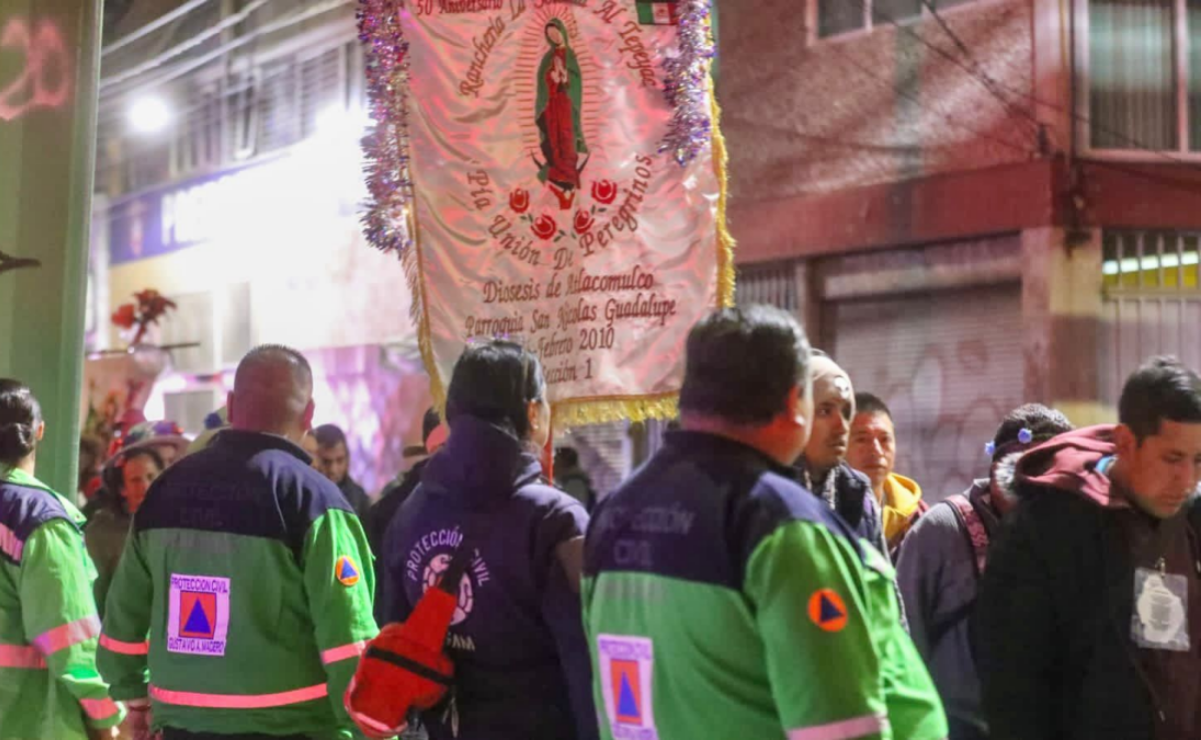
(836, 17)
(1144, 75)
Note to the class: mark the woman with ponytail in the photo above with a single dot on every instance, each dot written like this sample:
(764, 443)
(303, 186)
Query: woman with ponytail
(49, 686)
(517, 638)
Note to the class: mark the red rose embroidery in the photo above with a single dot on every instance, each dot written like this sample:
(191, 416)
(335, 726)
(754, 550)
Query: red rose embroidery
(519, 200)
(545, 227)
(583, 221)
(604, 191)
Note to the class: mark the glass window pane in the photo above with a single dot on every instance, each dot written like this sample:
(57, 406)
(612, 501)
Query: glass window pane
(1194, 74)
(1132, 75)
(839, 16)
(1111, 265)
(1190, 260)
(886, 11)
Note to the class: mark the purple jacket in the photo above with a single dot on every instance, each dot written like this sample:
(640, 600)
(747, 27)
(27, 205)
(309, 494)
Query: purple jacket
(517, 639)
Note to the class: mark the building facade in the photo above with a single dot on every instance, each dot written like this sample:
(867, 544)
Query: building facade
(970, 203)
(229, 179)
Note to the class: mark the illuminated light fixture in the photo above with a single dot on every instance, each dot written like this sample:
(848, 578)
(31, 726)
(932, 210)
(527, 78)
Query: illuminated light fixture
(337, 121)
(1132, 264)
(149, 115)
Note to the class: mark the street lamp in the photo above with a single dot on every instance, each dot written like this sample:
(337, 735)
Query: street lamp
(149, 115)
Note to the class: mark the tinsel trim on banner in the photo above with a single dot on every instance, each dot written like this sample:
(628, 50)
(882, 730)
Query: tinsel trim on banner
(687, 84)
(386, 222)
(389, 224)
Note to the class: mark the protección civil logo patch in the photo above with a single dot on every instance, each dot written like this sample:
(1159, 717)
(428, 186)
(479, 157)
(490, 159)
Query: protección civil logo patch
(198, 615)
(827, 610)
(627, 667)
(346, 571)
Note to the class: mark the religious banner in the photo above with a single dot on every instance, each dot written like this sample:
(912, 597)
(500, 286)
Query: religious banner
(552, 171)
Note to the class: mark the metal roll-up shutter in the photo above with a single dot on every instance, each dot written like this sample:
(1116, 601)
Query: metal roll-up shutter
(1152, 303)
(949, 365)
(605, 453)
(774, 284)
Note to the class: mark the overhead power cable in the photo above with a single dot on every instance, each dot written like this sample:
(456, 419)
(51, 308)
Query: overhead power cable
(153, 26)
(186, 67)
(183, 47)
(993, 84)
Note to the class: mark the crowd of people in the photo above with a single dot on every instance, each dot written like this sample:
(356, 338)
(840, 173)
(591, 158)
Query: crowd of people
(766, 574)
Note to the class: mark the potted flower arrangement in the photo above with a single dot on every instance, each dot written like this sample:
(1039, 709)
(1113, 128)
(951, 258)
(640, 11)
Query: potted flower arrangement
(124, 377)
(148, 307)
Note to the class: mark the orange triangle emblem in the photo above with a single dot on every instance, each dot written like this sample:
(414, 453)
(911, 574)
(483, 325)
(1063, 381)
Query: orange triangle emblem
(827, 610)
(346, 571)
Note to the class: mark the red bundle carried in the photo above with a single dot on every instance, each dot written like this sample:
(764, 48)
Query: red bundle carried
(405, 666)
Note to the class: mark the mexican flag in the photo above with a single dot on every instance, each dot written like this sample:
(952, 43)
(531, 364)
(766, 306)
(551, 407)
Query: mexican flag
(658, 13)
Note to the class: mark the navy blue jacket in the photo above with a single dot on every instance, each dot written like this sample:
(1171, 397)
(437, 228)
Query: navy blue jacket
(22, 510)
(849, 493)
(521, 658)
(247, 483)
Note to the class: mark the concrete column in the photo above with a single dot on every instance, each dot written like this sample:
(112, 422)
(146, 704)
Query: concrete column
(1052, 77)
(47, 147)
(809, 303)
(1061, 322)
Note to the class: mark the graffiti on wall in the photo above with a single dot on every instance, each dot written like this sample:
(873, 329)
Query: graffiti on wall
(946, 413)
(949, 366)
(43, 78)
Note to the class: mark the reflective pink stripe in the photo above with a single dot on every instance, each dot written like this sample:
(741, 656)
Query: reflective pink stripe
(370, 727)
(99, 708)
(20, 656)
(353, 650)
(373, 728)
(238, 701)
(10, 544)
(72, 633)
(125, 648)
(845, 730)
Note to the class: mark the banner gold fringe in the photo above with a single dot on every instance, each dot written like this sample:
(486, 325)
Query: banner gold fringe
(414, 269)
(725, 241)
(581, 412)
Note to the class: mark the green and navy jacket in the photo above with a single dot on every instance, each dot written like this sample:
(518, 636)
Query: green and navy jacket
(244, 596)
(721, 599)
(49, 685)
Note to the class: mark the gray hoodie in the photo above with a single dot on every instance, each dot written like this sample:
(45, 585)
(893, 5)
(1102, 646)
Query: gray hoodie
(936, 574)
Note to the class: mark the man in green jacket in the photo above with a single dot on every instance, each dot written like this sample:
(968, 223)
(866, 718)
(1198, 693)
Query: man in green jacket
(49, 686)
(246, 584)
(721, 599)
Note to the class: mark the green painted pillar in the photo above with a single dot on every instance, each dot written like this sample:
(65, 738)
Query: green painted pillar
(49, 67)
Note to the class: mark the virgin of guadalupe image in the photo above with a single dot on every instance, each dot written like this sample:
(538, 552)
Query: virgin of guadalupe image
(557, 112)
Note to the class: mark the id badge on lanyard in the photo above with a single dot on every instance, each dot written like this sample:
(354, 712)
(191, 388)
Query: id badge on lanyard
(1160, 618)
